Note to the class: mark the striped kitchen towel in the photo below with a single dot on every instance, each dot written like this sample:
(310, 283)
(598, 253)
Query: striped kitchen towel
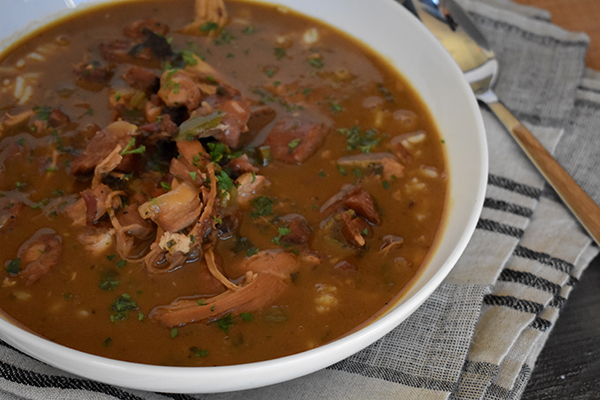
(479, 334)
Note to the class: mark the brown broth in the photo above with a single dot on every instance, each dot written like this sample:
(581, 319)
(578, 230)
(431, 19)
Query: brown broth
(67, 305)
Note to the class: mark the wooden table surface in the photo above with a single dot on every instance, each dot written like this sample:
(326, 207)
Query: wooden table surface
(569, 366)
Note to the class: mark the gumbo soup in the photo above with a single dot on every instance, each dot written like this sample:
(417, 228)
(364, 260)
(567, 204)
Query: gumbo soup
(208, 184)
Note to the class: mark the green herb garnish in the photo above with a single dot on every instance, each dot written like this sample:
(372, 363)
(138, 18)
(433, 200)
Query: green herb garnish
(121, 307)
(246, 316)
(359, 139)
(130, 150)
(263, 206)
(13, 267)
(225, 323)
(316, 62)
(279, 53)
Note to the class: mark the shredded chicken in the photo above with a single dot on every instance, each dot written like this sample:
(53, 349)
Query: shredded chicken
(267, 276)
(207, 11)
(107, 165)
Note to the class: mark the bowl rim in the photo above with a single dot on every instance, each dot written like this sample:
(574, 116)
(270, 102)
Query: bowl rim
(186, 379)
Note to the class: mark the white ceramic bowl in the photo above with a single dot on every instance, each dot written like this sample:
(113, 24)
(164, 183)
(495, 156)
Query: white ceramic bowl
(396, 35)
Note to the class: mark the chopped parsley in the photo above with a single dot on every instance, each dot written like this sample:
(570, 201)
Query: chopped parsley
(40, 204)
(252, 251)
(43, 113)
(13, 267)
(121, 307)
(335, 108)
(316, 62)
(166, 187)
(189, 58)
(263, 206)
(247, 317)
(294, 143)
(280, 53)
(282, 232)
(226, 37)
(249, 29)
(209, 26)
(225, 323)
(270, 72)
(359, 139)
(130, 150)
(217, 151)
(109, 283)
(174, 333)
(199, 352)
(224, 181)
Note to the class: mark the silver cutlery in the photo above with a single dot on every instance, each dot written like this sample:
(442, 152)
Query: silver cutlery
(448, 21)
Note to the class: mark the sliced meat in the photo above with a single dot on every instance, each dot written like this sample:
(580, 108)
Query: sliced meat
(362, 203)
(102, 144)
(299, 229)
(354, 230)
(242, 165)
(249, 186)
(177, 89)
(97, 201)
(260, 116)
(354, 198)
(116, 50)
(185, 171)
(57, 118)
(161, 129)
(293, 140)
(237, 114)
(10, 212)
(39, 255)
(93, 75)
(142, 79)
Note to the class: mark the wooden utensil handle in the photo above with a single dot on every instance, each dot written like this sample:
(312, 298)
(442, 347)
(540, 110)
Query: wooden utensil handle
(573, 196)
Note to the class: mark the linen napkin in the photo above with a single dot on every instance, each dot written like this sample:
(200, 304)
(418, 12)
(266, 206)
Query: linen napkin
(479, 334)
